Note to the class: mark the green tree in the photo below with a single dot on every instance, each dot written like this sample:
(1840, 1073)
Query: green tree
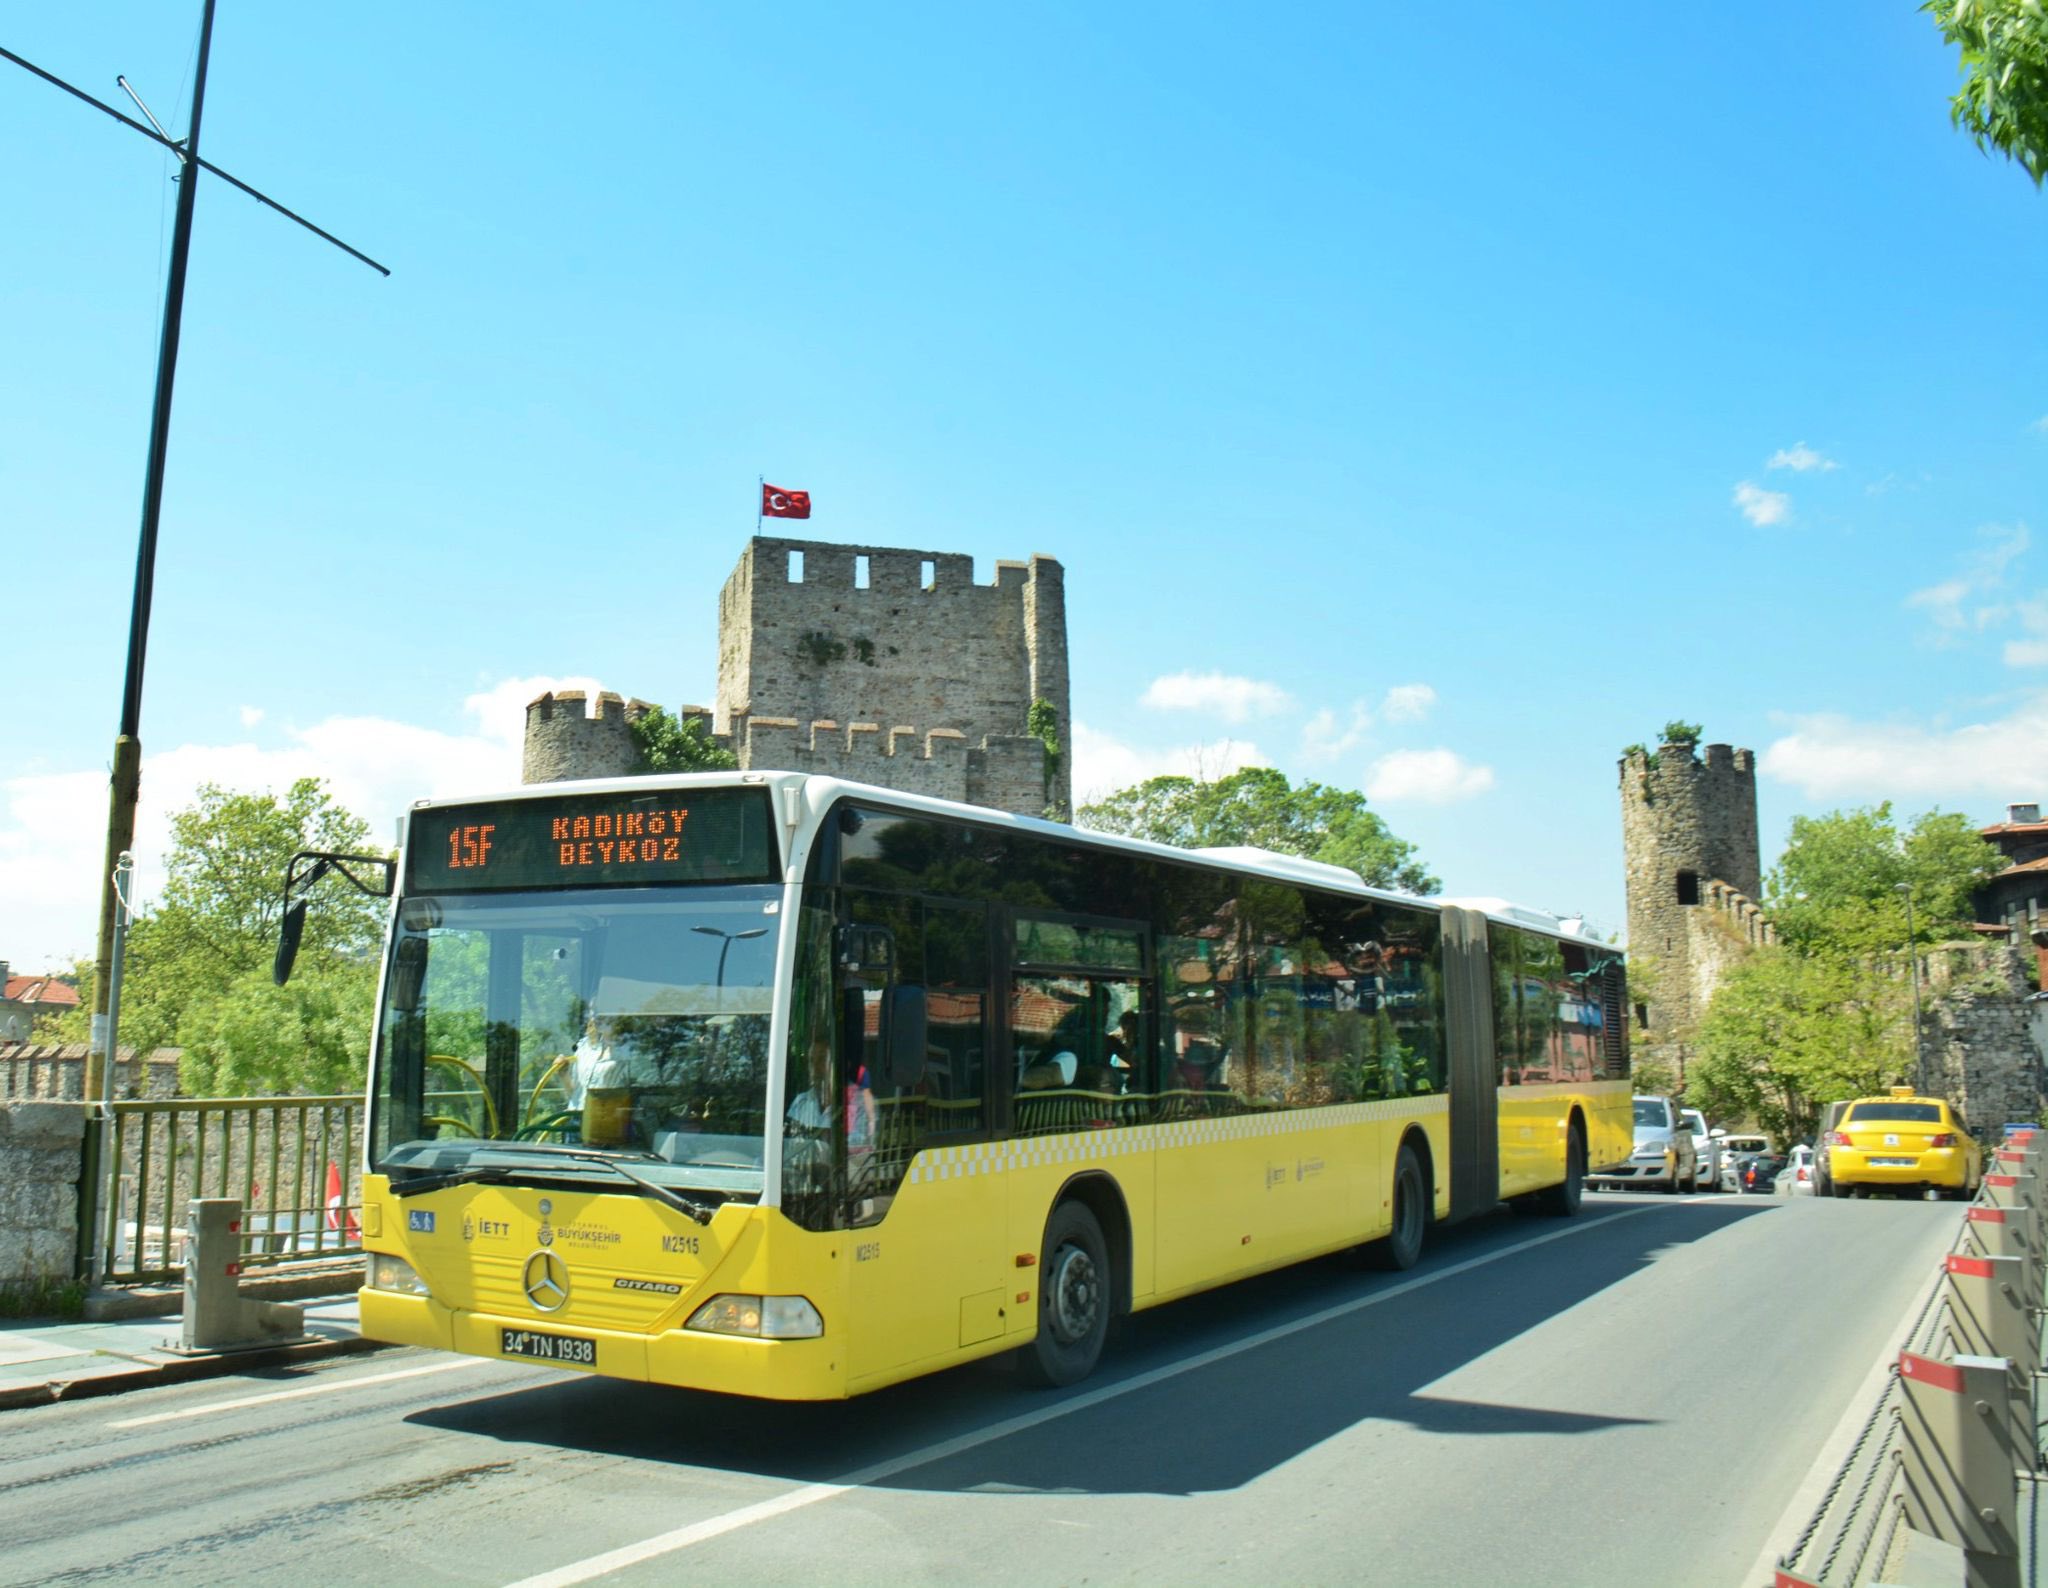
(666, 745)
(2003, 103)
(1836, 888)
(1789, 1031)
(1260, 808)
(197, 966)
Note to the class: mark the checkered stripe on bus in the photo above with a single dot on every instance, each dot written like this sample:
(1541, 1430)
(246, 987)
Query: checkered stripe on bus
(1090, 1146)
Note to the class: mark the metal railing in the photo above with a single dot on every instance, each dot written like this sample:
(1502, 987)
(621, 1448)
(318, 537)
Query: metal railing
(290, 1160)
(1860, 1531)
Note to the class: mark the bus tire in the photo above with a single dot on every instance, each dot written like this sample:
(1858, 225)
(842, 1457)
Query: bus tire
(1562, 1201)
(1402, 1245)
(1073, 1299)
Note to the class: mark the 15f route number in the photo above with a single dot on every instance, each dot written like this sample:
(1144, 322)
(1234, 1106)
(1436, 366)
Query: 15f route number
(469, 846)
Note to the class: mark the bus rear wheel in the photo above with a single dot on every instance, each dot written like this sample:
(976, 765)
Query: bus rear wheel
(1073, 1299)
(1402, 1245)
(1562, 1201)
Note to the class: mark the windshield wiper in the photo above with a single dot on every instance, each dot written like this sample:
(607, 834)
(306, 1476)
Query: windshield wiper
(485, 1174)
(675, 1199)
(499, 1174)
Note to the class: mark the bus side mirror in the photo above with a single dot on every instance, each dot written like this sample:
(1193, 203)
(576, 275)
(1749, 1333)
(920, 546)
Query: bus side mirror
(906, 1036)
(289, 931)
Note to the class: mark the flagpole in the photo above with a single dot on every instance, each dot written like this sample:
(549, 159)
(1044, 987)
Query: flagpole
(760, 496)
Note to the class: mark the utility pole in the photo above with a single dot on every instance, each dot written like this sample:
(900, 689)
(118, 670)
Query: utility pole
(126, 781)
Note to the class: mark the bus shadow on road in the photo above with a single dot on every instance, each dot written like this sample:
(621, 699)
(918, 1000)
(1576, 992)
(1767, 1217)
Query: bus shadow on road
(1202, 1395)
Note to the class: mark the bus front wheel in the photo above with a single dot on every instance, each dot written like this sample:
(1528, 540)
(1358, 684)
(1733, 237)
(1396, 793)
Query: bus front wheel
(1073, 1299)
(1403, 1244)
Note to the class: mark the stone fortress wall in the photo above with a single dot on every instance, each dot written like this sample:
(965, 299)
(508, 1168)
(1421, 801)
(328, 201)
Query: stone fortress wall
(914, 678)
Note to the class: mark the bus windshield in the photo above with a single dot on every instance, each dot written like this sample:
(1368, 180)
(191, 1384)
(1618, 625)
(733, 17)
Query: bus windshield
(525, 1032)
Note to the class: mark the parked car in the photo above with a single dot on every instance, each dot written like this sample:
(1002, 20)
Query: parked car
(1663, 1155)
(1706, 1152)
(1760, 1171)
(1796, 1178)
(1823, 1175)
(1735, 1149)
(1903, 1142)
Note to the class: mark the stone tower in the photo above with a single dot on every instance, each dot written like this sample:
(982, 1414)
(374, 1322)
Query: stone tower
(830, 657)
(873, 663)
(1689, 836)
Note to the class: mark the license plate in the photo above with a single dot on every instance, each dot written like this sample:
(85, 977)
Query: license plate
(1893, 1163)
(542, 1347)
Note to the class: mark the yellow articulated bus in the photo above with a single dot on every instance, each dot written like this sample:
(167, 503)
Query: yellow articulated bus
(791, 1087)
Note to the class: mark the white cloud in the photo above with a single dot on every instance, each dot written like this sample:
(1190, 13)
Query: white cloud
(376, 767)
(1761, 507)
(251, 715)
(1408, 703)
(1834, 757)
(2031, 652)
(1103, 764)
(1962, 603)
(1799, 458)
(1326, 736)
(1427, 777)
(1234, 699)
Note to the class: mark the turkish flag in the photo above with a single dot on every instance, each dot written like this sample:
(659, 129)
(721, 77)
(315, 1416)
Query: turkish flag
(778, 503)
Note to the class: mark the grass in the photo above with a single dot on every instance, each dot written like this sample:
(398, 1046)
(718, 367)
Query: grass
(42, 1298)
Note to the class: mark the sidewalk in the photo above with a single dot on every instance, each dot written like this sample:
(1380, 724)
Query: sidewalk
(41, 1363)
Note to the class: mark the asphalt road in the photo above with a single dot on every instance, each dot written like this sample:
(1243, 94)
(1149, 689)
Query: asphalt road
(1632, 1395)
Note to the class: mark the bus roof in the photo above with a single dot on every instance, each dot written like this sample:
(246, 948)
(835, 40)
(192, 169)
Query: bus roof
(818, 792)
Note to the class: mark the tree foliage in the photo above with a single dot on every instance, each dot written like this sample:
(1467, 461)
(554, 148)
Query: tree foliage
(1839, 885)
(196, 972)
(2003, 103)
(1260, 808)
(666, 745)
(1788, 1031)
(1825, 1013)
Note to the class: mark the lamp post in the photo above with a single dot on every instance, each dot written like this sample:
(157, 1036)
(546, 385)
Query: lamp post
(1905, 891)
(731, 938)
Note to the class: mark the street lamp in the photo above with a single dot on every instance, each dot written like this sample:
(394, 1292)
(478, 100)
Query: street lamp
(1905, 891)
(731, 938)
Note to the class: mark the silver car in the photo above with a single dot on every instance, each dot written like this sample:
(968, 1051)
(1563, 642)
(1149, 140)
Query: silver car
(1664, 1155)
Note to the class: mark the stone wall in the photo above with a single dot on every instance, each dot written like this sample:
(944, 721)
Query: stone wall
(1981, 1034)
(40, 1159)
(56, 1072)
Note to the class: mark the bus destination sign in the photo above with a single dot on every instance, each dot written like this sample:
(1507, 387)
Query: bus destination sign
(593, 840)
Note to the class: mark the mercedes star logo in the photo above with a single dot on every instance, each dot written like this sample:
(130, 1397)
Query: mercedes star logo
(546, 1282)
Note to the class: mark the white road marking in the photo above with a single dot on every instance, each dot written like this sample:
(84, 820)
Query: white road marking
(811, 1493)
(295, 1394)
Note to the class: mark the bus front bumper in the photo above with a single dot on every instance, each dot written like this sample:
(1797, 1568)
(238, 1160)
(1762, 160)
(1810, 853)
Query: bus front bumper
(794, 1370)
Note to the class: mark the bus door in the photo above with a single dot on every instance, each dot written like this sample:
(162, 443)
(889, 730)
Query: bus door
(923, 1214)
(1474, 1076)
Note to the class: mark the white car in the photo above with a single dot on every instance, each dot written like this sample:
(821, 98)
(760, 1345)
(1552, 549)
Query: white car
(1663, 1155)
(1797, 1177)
(1733, 1150)
(1706, 1151)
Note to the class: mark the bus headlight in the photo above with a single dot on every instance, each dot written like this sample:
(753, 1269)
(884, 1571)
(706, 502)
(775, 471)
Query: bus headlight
(393, 1273)
(759, 1317)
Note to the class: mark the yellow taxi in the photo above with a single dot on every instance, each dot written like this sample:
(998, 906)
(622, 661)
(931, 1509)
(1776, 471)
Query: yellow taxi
(1902, 1142)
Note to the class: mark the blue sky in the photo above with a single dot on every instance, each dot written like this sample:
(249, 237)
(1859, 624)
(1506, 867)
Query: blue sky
(1426, 411)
